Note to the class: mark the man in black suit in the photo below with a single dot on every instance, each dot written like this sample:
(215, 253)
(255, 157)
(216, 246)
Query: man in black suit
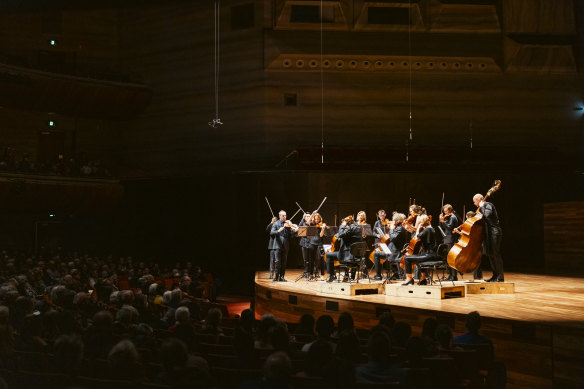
(448, 222)
(271, 246)
(348, 234)
(281, 231)
(494, 233)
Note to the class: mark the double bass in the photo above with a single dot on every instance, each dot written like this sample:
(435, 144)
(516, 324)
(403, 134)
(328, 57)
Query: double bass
(466, 254)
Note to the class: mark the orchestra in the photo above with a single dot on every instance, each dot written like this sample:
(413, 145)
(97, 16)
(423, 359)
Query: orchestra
(402, 241)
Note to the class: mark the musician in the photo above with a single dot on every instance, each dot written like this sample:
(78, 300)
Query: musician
(316, 242)
(282, 231)
(414, 212)
(271, 249)
(398, 237)
(380, 224)
(425, 232)
(361, 218)
(305, 246)
(448, 222)
(349, 233)
(493, 236)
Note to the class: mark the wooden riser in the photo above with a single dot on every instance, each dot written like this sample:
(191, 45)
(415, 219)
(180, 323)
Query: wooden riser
(488, 287)
(435, 292)
(352, 289)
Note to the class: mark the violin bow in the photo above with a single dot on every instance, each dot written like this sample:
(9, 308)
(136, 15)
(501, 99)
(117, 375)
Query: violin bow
(303, 211)
(321, 203)
(269, 206)
(294, 215)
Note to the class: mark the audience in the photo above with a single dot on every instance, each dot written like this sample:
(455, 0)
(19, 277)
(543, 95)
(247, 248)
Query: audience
(138, 325)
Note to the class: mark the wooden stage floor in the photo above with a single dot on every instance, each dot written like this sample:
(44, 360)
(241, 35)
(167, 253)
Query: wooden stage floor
(537, 298)
(538, 331)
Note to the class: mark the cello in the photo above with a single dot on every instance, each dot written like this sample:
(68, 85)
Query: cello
(335, 244)
(415, 244)
(466, 254)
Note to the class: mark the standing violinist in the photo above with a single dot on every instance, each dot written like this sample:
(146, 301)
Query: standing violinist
(349, 233)
(305, 246)
(316, 242)
(398, 237)
(427, 236)
(271, 246)
(282, 231)
(493, 236)
(448, 222)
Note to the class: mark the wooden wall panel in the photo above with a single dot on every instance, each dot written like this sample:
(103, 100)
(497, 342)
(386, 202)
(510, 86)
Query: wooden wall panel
(563, 231)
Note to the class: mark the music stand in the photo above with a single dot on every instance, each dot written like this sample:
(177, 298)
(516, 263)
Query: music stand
(366, 230)
(307, 231)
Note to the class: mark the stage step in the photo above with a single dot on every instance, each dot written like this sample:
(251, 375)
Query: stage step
(488, 287)
(425, 291)
(352, 289)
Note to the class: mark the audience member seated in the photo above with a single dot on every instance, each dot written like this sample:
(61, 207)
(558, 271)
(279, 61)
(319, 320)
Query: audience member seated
(325, 326)
(379, 368)
(277, 373)
(183, 329)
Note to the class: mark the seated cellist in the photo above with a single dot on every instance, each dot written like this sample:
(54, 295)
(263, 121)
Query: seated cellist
(427, 236)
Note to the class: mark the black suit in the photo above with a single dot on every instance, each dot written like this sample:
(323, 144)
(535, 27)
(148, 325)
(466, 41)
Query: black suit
(281, 246)
(493, 236)
(271, 249)
(348, 234)
(450, 223)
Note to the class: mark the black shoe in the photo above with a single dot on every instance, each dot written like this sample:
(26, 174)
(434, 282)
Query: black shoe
(452, 278)
(276, 279)
(423, 282)
(377, 278)
(316, 276)
(331, 279)
(282, 279)
(493, 278)
(410, 282)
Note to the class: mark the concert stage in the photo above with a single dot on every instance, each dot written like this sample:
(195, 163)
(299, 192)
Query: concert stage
(538, 331)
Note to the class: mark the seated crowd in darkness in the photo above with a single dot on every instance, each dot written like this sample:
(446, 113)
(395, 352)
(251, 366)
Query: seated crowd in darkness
(122, 319)
(79, 166)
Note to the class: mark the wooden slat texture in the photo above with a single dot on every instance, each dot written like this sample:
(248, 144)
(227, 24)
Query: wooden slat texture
(563, 226)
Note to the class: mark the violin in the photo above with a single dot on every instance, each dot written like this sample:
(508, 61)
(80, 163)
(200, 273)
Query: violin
(385, 222)
(288, 224)
(408, 224)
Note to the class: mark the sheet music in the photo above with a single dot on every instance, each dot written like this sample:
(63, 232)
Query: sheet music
(326, 247)
(384, 248)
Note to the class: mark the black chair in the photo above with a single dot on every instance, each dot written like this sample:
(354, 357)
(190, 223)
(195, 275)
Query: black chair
(433, 267)
(357, 261)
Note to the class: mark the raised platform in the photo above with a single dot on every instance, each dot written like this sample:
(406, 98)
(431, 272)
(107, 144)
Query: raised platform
(488, 287)
(425, 291)
(538, 330)
(352, 289)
